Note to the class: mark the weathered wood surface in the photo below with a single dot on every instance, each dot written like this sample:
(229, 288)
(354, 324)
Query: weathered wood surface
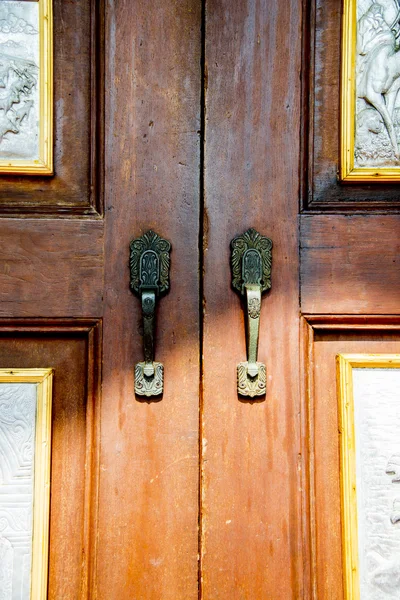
(72, 499)
(251, 545)
(350, 264)
(148, 534)
(51, 268)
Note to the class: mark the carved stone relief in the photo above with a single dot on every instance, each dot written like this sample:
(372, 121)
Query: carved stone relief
(19, 77)
(17, 435)
(377, 124)
(377, 427)
(393, 469)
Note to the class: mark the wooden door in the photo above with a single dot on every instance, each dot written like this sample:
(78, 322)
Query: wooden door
(197, 120)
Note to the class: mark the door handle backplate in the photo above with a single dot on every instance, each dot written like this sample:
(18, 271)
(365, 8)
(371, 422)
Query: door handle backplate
(251, 261)
(149, 267)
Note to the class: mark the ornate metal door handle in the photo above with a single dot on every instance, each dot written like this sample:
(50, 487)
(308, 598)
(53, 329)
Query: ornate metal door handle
(149, 266)
(251, 261)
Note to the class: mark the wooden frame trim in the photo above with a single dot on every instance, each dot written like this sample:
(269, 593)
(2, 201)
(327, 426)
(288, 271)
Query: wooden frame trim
(41, 506)
(41, 488)
(311, 325)
(348, 478)
(308, 452)
(44, 164)
(91, 329)
(349, 199)
(308, 471)
(349, 173)
(94, 207)
(359, 322)
(345, 365)
(347, 91)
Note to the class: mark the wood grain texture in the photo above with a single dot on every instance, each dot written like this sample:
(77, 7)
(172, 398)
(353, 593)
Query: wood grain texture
(71, 350)
(321, 113)
(350, 264)
(269, 489)
(51, 269)
(250, 490)
(76, 187)
(148, 535)
(325, 514)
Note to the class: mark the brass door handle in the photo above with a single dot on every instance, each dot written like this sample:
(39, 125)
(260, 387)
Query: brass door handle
(251, 261)
(149, 266)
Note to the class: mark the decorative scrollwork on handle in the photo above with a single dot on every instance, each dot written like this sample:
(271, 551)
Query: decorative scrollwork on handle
(149, 241)
(149, 267)
(254, 308)
(251, 262)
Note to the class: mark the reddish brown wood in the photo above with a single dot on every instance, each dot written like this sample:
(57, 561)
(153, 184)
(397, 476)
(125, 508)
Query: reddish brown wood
(148, 534)
(269, 497)
(251, 518)
(51, 268)
(73, 353)
(350, 264)
(76, 188)
(323, 437)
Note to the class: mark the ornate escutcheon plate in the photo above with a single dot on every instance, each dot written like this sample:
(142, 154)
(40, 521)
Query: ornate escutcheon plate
(146, 385)
(248, 385)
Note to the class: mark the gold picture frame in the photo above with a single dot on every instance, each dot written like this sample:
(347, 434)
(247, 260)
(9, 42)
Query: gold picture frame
(41, 163)
(353, 122)
(41, 489)
(345, 365)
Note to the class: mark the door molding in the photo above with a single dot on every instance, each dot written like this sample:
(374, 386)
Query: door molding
(90, 330)
(379, 330)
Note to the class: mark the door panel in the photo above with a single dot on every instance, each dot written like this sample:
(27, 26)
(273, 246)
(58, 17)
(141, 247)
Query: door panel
(320, 134)
(250, 501)
(149, 458)
(72, 350)
(51, 268)
(326, 339)
(209, 118)
(76, 188)
(350, 264)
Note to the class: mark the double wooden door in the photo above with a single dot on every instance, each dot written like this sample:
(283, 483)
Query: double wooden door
(197, 120)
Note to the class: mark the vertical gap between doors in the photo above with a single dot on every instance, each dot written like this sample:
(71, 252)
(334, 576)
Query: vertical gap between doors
(202, 212)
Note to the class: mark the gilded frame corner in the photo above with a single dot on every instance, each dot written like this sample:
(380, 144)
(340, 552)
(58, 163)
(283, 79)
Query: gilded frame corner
(348, 173)
(345, 365)
(41, 494)
(44, 164)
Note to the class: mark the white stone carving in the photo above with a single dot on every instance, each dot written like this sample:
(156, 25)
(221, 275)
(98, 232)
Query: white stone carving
(393, 468)
(19, 76)
(377, 132)
(377, 432)
(6, 568)
(17, 436)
